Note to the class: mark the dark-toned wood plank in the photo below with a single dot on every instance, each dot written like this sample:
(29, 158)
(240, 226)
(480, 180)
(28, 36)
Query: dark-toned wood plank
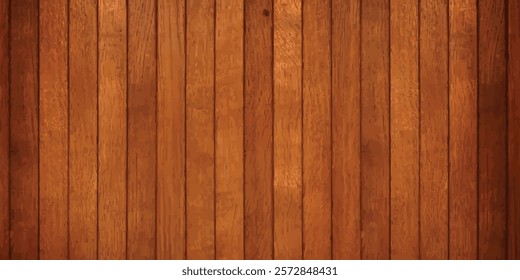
(375, 145)
(463, 130)
(404, 129)
(229, 129)
(200, 150)
(434, 129)
(316, 130)
(112, 112)
(23, 118)
(346, 94)
(258, 130)
(83, 129)
(492, 129)
(171, 216)
(142, 129)
(288, 129)
(513, 193)
(4, 129)
(53, 130)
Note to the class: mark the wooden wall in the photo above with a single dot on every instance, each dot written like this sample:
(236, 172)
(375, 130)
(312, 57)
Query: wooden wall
(259, 129)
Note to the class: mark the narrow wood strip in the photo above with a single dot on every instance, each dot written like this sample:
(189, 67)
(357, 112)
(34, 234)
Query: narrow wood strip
(4, 129)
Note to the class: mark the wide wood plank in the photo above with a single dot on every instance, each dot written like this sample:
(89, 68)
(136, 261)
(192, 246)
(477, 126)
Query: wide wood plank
(317, 130)
(346, 156)
(171, 135)
(288, 129)
(375, 130)
(434, 129)
(4, 129)
(463, 220)
(112, 113)
(53, 129)
(513, 79)
(258, 130)
(24, 133)
(142, 129)
(200, 112)
(229, 129)
(404, 129)
(83, 168)
(492, 130)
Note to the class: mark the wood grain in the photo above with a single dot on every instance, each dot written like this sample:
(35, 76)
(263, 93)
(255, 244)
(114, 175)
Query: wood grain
(24, 132)
(83, 99)
(492, 122)
(316, 130)
(171, 133)
(4, 130)
(375, 130)
(513, 131)
(346, 156)
(288, 129)
(258, 130)
(200, 113)
(463, 220)
(229, 129)
(142, 129)
(53, 129)
(112, 114)
(434, 129)
(404, 130)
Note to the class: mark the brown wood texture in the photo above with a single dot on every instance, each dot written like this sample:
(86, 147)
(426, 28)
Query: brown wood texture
(259, 129)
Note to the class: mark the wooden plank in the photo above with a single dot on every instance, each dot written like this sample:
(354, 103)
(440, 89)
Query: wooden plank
(492, 130)
(513, 193)
(4, 129)
(142, 130)
(258, 130)
(404, 129)
(288, 129)
(434, 129)
(463, 130)
(346, 94)
(375, 140)
(229, 129)
(112, 113)
(200, 109)
(316, 130)
(53, 129)
(171, 135)
(23, 141)
(83, 168)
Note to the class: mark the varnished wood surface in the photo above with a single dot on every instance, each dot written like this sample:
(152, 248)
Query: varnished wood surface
(259, 129)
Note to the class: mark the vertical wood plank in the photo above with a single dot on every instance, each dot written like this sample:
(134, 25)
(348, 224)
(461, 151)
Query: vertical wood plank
(112, 113)
(404, 129)
(346, 94)
(142, 130)
(316, 130)
(492, 129)
(229, 129)
(375, 146)
(23, 141)
(463, 130)
(53, 129)
(4, 129)
(258, 130)
(200, 109)
(83, 168)
(171, 216)
(288, 129)
(513, 130)
(434, 129)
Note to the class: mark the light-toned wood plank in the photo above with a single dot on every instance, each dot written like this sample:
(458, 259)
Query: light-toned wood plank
(171, 134)
(229, 129)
